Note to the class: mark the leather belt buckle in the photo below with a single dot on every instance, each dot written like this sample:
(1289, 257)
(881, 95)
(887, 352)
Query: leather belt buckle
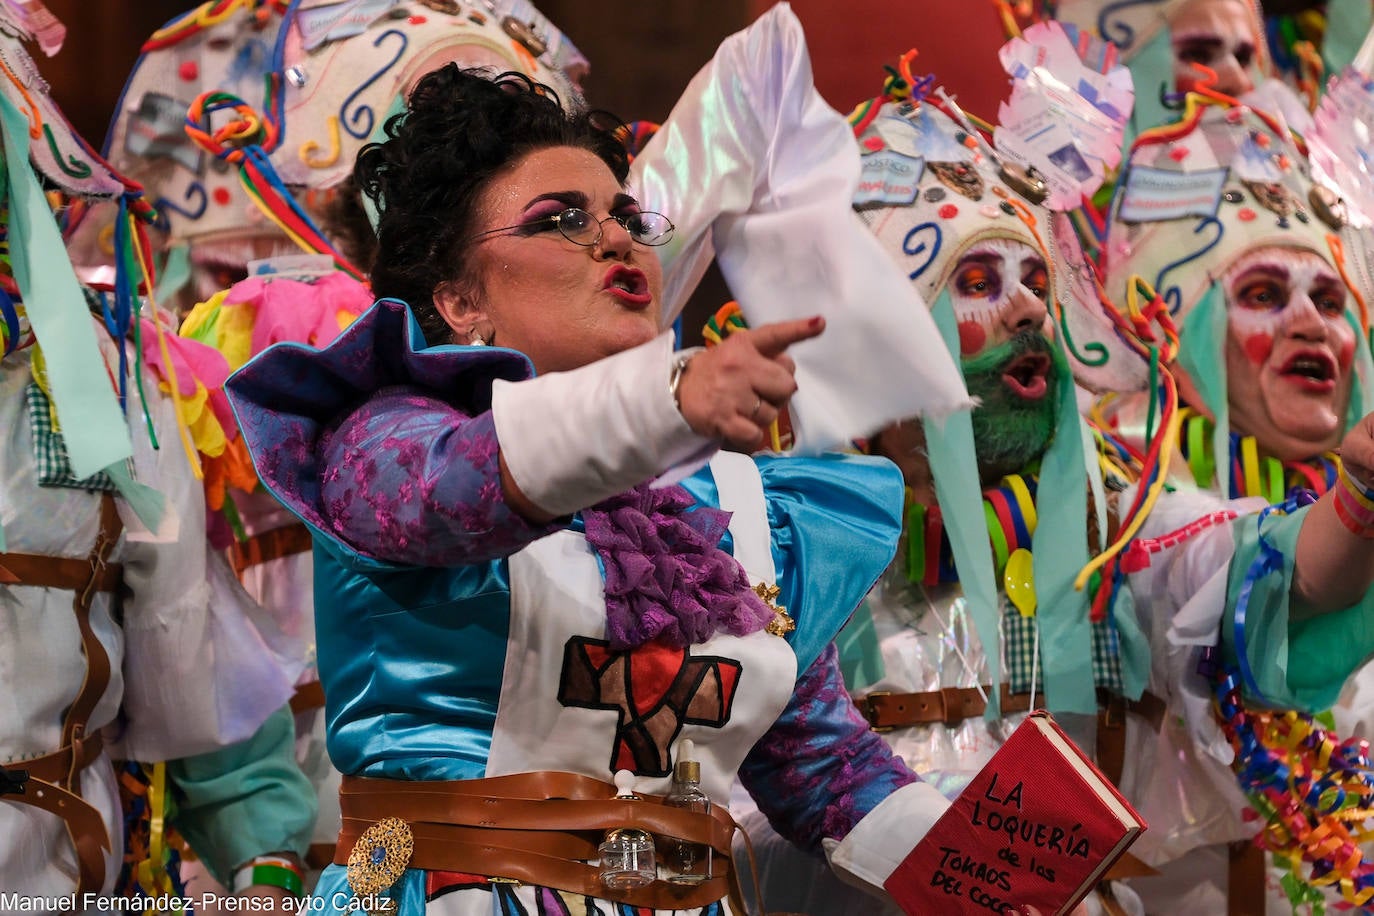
(871, 712)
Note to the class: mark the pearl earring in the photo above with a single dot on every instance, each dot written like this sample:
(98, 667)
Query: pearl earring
(477, 341)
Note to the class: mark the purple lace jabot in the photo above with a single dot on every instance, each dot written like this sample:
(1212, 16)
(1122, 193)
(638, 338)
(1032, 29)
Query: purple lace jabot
(666, 577)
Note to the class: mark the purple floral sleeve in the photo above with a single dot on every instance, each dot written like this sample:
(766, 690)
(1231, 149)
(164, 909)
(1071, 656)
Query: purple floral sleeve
(409, 478)
(820, 768)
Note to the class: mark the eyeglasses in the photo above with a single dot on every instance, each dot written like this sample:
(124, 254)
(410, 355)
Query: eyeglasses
(581, 228)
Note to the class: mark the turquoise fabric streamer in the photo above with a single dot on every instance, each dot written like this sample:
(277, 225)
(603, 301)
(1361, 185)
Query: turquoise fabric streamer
(93, 427)
(954, 465)
(861, 653)
(1362, 386)
(1066, 654)
(1151, 67)
(1347, 23)
(176, 272)
(1202, 354)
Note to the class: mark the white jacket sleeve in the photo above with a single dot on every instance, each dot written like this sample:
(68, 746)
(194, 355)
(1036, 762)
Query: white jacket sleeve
(572, 439)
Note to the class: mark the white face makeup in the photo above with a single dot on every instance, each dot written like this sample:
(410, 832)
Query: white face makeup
(1289, 350)
(999, 286)
(1219, 34)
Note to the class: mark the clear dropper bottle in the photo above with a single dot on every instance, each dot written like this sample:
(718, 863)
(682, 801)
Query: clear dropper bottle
(686, 862)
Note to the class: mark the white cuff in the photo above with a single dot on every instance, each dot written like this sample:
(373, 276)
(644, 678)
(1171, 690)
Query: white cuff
(572, 439)
(886, 835)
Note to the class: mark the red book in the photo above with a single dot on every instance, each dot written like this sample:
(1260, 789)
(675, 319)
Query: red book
(1038, 825)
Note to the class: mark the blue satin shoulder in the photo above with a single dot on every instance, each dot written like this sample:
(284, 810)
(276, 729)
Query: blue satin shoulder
(835, 520)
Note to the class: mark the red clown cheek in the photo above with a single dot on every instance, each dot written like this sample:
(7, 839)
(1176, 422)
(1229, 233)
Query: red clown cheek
(972, 337)
(1258, 347)
(1345, 354)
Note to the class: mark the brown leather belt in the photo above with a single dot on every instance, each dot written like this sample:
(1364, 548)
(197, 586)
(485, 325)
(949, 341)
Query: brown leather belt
(266, 546)
(534, 828)
(54, 783)
(949, 705)
(952, 705)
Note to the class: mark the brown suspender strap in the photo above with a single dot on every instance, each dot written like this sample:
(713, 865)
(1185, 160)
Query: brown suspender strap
(54, 767)
(97, 661)
(55, 781)
(1111, 728)
(533, 828)
(1245, 880)
(266, 546)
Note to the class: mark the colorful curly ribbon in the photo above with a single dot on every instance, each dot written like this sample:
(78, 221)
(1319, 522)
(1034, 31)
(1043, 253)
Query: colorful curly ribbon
(208, 15)
(1149, 330)
(1314, 792)
(727, 320)
(899, 85)
(152, 848)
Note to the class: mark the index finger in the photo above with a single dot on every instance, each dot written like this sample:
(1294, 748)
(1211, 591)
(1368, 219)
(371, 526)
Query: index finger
(773, 339)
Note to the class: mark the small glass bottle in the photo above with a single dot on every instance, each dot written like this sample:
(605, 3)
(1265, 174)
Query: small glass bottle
(687, 863)
(627, 853)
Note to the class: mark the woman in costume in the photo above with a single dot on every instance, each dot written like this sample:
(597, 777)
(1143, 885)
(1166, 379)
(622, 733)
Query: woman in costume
(127, 637)
(265, 209)
(510, 595)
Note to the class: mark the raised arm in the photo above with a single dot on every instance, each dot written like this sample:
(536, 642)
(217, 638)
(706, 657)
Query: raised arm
(1334, 566)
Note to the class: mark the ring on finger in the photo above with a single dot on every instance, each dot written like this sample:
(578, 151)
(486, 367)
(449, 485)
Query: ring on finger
(758, 405)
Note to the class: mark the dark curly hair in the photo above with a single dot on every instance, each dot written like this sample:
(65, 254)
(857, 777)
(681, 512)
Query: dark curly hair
(459, 128)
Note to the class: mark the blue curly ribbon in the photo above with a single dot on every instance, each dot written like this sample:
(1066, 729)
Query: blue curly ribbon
(1126, 34)
(195, 190)
(1172, 295)
(1270, 560)
(365, 111)
(921, 246)
(11, 319)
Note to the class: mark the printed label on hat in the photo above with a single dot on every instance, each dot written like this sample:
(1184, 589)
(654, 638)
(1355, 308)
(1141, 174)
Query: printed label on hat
(340, 20)
(923, 135)
(1152, 195)
(889, 178)
(158, 128)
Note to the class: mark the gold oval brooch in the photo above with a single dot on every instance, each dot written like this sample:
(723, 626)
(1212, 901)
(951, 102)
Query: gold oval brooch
(380, 857)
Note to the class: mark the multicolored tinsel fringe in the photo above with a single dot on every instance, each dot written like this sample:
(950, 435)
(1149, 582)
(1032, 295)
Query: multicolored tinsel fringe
(152, 850)
(1314, 792)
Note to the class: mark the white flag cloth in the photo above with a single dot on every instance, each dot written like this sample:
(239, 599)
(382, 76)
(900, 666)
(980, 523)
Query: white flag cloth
(754, 168)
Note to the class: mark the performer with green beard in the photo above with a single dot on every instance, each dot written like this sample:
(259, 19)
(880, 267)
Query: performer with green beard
(1015, 423)
(981, 592)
